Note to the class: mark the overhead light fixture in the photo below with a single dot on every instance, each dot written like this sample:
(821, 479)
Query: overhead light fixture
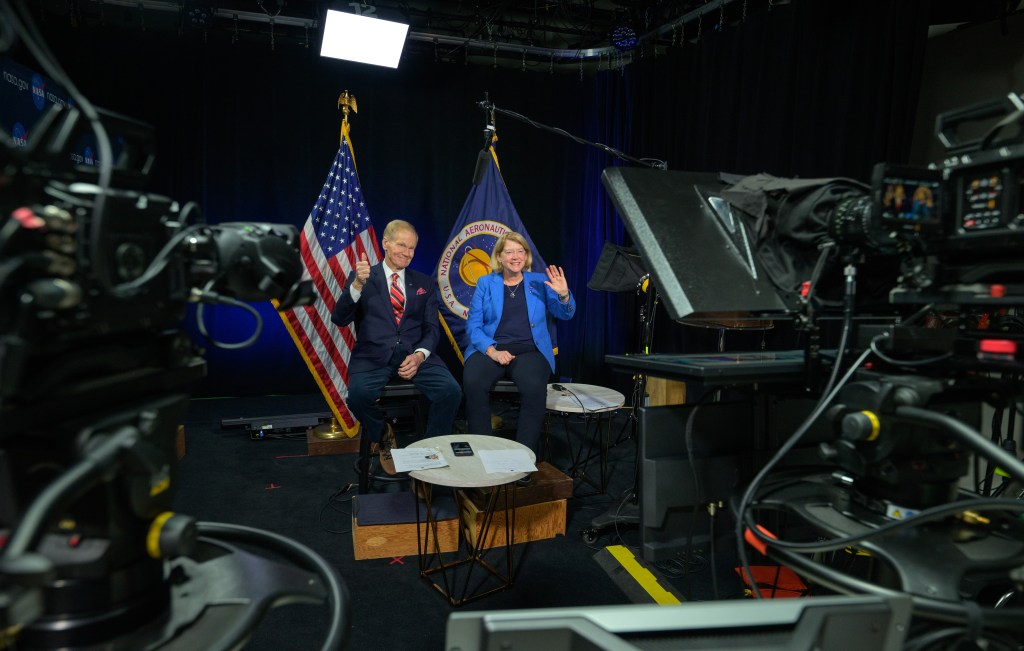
(363, 39)
(624, 38)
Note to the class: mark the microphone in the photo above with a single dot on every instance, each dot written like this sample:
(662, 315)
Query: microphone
(565, 390)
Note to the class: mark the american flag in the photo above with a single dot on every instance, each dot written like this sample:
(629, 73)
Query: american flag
(336, 233)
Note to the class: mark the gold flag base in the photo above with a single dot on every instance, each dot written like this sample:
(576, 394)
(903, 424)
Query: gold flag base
(331, 431)
(330, 439)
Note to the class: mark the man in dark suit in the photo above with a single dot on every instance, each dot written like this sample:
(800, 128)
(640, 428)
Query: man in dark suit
(397, 330)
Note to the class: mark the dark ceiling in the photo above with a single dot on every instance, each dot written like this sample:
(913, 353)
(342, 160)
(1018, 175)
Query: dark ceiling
(560, 31)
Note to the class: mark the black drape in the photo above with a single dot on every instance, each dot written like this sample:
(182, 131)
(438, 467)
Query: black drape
(250, 132)
(810, 88)
(807, 89)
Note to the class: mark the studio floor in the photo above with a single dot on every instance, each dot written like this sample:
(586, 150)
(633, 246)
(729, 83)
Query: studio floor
(273, 484)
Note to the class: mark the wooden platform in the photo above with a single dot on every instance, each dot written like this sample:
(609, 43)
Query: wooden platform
(384, 524)
(548, 484)
(179, 442)
(316, 446)
(533, 522)
(662, 391)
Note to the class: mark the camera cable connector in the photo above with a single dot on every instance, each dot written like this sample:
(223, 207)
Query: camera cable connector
(197, 295)
(207, 296)
(850, 286)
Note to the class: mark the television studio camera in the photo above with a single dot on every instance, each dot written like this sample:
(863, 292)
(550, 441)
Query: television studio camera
(933, 332)
(95, 279)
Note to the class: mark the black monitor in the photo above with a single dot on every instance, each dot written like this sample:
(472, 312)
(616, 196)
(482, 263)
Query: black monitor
(728, 441)
(701, 258)
(675, 484)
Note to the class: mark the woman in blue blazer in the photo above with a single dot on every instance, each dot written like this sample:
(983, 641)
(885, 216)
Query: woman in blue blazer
(508, 335)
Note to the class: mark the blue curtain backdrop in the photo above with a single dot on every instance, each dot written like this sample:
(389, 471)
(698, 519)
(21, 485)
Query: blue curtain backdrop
(809, 88)
(602, 323)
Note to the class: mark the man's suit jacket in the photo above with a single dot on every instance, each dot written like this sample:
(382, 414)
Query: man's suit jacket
(376, 332)
(541, 304)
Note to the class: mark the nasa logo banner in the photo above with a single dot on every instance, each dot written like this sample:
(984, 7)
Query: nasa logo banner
(486, 215)
(25, 95)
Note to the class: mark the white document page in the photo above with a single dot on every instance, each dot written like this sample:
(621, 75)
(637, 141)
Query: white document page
(506, 461)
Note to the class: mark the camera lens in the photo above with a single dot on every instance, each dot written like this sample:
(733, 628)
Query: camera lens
(852, 225)
(851, 221)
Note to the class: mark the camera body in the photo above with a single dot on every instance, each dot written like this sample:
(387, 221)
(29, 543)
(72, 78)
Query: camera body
(965, 211)
(969, 203)
(92, 263)
(96, 275)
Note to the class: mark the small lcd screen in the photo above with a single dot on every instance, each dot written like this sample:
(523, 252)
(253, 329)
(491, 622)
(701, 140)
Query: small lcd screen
(909, 200)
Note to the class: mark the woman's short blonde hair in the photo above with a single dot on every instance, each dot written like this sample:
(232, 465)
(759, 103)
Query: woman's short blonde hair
(499, 246)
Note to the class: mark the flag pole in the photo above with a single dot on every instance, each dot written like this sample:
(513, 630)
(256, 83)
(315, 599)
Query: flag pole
(309, 327)
(487, 214)
(486, 154)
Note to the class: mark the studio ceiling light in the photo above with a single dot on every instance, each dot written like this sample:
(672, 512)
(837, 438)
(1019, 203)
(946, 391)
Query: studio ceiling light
(363, 39)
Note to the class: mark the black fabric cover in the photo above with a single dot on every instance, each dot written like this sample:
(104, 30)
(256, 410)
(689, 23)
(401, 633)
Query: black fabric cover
(619, 269)
(789, 220)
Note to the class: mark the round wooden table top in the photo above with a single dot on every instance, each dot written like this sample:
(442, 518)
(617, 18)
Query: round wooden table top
(468, 472)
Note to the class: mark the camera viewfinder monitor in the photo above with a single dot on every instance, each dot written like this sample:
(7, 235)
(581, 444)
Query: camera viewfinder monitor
(907, 199)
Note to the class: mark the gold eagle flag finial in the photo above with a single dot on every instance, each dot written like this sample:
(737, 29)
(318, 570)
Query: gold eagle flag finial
(346, 102)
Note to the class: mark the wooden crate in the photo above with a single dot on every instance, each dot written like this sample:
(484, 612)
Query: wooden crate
(316, 446)
(533, 522)
(395, 533)
(397, 536)
(548, 484)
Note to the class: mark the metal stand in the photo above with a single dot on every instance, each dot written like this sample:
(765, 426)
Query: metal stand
(444, 576)
(628, 511)
(453, 578)
(580, 458)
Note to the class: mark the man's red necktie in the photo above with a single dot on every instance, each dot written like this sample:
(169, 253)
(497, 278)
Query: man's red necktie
(397, 299)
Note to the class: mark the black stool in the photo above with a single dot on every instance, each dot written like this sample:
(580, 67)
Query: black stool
(506, 389)
(505, 386)
(405, 394)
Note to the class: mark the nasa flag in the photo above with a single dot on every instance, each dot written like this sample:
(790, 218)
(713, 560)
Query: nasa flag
(487, 215)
